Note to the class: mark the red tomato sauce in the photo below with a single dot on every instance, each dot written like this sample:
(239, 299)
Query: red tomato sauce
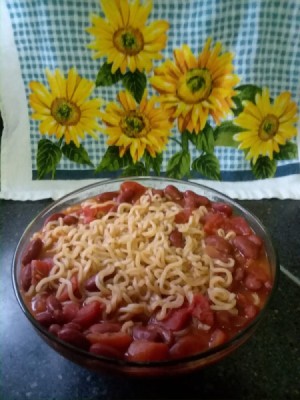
(181, 332)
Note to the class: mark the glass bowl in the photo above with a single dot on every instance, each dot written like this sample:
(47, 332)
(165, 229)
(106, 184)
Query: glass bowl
(154, 368)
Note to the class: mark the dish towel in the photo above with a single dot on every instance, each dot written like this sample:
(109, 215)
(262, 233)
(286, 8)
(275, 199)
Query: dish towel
(202, 90)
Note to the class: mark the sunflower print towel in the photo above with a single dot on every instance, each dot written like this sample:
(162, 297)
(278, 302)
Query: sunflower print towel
(187, 89)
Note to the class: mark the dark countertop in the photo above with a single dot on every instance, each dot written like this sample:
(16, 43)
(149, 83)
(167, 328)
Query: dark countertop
(266, 367)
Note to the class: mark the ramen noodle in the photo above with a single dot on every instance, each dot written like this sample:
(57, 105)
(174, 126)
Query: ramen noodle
(145, 274)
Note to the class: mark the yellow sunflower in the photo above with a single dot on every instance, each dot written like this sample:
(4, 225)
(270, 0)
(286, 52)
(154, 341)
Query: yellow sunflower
(266, 125)
(193, 88)
(136, 128)
(123, 37)
(64, 110)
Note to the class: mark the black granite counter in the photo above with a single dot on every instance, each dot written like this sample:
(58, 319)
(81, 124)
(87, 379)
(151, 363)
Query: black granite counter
(266, 367)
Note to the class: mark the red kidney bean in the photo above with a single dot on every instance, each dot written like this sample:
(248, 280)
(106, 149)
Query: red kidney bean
(256, 240)
(246, 247)
(107, 196)
(160, 192)
(33, 251)
(104, 327)
(54, 329)
(70, 220)
(54, 217)
(89, 314)
(26, 276)
(222, 208)
(213, 222)
(74, 337)
(250, 311)
(72, 325)
(90, 284)
(217, 338)
(216, 254)
(70, 311)
(45, 318)
(153, 333)
(177, 239)
(197, 200)
(187, 346)
(252, 283)
(143, 333)
(38, 303)
(105, 351)
(219, 243)
(126, 197)
(143, 350)
(239, 225)
(172, 193)
(183, 216)
(117, 340)
(53, 304)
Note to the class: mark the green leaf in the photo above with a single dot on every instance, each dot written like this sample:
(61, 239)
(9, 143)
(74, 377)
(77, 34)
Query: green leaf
(264, 168)
(105, 77)
(137, 169)
(179, 165)
(135, 83)
(289, 151)
(245, 92)
(76, 154)
(204, 140)
(224, 134)
(48, 156)
(111, 161)
(153, 162)
(208, 165)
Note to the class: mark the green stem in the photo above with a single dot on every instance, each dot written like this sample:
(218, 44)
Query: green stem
(185, 141)
(176, 141)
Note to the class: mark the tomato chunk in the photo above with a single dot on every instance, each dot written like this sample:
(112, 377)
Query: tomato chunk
(213, 222)
(176, 319)
(117, 340)
(189, 345)
(200, 309)
(144, 350)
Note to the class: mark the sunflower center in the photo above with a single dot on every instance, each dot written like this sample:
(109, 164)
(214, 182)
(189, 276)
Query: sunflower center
(128, 41)
(134, 125)
(65, 112)
(268, 128)
(195, 86)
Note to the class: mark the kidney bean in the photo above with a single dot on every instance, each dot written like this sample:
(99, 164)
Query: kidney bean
(256, 240)
(89, 314)
(143, 350)
(250, 311)
(165, 335)
(33, 251)
(72, 325)
(246, 247)
(54, 217)
(239, 225)
(177, 239)
(216, 254)
(126, 197)
(38, 303)
(252, 283)
(172, 193)
(117, 340)
(26, 276)
(45, 318)
(53, 304)
(74, 337)
(213, 222)
(195, 199)
(70, 220)
(219, 243)
(70, 311)
(183, 216)
(40, 269)
(217, 338)
(134, 191)
(187, 346)
(143, 333)
(160, 192)
(222, 208)
(107, 196)
(54, 329)
(104, 327)
(105, 351)
(90, 284)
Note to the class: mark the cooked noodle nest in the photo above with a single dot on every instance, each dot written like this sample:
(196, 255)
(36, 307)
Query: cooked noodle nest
(138, 271)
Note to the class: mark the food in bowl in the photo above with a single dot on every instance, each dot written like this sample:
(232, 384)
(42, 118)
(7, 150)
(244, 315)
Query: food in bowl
(143, 275)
